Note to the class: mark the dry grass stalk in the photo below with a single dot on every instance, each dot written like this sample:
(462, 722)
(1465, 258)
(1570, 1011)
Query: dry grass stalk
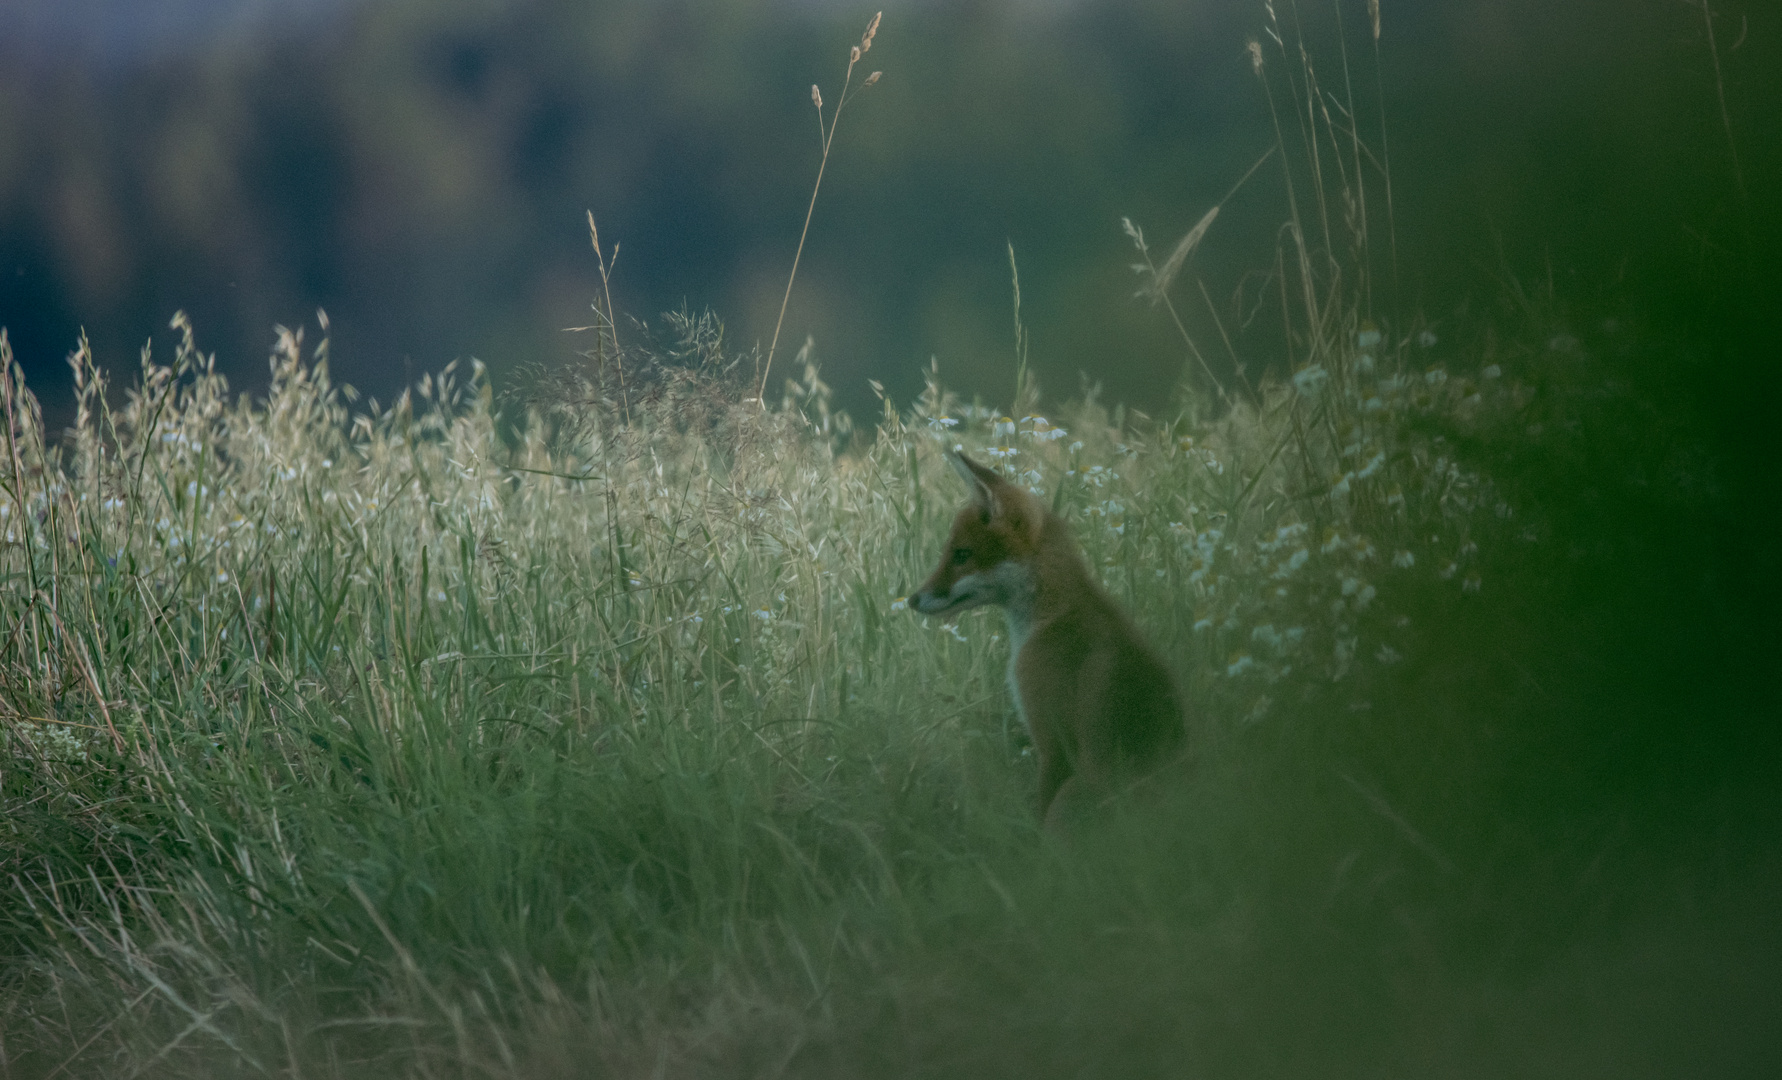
(1159, 279)
(827, 135)
(1373, 10)
(612, 323)
(1732, 145)
(1165, 275)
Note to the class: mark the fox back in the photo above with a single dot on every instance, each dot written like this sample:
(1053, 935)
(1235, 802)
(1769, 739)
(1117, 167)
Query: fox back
(1098, 703)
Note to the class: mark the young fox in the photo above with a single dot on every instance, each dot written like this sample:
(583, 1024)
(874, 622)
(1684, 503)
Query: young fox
(1097, 702)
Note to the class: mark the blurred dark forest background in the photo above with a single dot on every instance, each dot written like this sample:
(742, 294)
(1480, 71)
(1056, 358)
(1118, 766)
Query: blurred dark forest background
(421, 168)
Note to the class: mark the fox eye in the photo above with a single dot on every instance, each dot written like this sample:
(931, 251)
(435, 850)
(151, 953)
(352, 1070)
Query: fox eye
(961, 556)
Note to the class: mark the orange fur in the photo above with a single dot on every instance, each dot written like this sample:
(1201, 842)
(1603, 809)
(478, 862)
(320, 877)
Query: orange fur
(1098, 703)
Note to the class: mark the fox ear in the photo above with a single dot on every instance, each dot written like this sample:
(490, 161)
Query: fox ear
(981, 482)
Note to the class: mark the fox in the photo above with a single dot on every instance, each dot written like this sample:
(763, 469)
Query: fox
(1099, 704)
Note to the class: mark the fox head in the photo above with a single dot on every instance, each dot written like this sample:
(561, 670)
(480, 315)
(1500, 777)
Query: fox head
(988, 555)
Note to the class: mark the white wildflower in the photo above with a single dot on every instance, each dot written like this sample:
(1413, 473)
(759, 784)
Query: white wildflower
(1310, 380)
(1284, 535)
(1293, 564)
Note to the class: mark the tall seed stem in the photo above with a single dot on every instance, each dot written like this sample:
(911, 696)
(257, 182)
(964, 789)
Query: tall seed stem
(828, 139)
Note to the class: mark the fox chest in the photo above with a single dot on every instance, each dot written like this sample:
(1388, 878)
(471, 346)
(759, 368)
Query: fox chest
(1020, 630)
(1015, 589)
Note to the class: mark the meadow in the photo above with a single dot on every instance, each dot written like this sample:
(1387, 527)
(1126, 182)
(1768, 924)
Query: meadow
(582, 729)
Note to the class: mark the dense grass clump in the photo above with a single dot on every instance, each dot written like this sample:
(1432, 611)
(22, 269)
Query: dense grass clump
(345, 741)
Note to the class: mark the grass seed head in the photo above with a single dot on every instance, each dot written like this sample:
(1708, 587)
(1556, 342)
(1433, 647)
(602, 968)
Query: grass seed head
(1160, 282)
(854, 55)
(816, 96)
(873, 78)
(871, 29)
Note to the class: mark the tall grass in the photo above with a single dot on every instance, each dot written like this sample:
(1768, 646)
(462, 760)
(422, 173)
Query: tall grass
(333, 737)
(585, 732)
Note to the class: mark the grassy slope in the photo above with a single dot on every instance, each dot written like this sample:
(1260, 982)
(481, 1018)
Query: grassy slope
(609, 750)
